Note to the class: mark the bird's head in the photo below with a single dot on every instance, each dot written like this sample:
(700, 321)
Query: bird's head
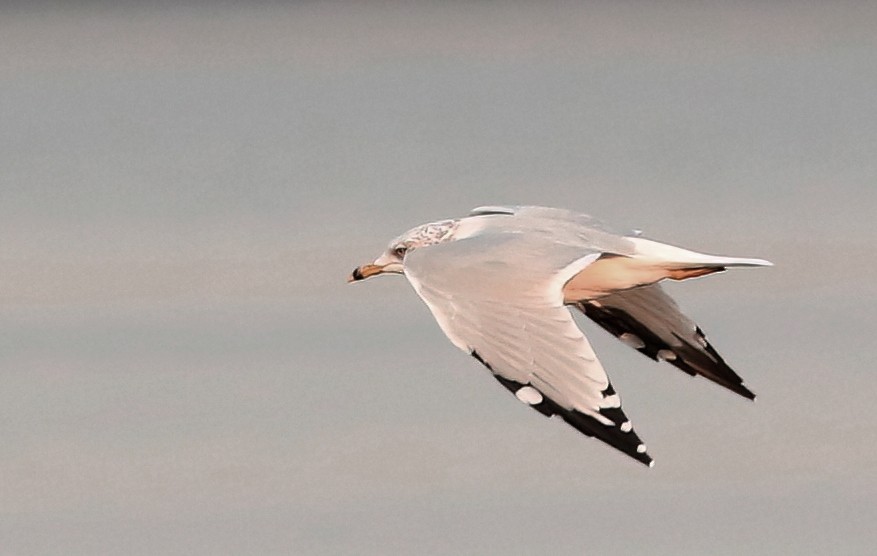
(391, 261)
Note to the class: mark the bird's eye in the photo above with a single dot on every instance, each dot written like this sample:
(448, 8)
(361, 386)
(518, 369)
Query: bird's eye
(400, 251)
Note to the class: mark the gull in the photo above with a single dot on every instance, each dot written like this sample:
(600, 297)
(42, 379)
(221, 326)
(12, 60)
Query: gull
(500, 282)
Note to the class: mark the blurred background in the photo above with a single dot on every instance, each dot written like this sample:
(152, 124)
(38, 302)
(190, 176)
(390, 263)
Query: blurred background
(185, 187)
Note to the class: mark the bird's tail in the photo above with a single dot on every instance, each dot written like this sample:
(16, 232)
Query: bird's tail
(682, 263)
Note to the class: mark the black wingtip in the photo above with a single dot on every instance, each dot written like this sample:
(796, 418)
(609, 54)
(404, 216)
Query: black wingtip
(619, 435)
(629, 443)
(694, 356)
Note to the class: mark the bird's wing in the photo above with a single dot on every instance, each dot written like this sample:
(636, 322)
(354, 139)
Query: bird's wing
(498, 297)
(549, 213)
(648, 320)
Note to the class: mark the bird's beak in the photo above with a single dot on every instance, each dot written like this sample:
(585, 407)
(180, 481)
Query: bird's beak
(365, 271)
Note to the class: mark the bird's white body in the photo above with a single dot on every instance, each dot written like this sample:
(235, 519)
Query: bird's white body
(499, 281)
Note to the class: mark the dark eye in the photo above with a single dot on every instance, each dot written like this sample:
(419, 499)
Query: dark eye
(400, 251)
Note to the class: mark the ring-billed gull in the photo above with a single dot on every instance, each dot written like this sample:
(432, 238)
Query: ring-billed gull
(499, 282)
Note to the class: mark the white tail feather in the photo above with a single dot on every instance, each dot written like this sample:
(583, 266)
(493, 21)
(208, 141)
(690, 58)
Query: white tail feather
(680, 258)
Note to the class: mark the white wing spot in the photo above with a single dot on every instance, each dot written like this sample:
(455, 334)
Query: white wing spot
(626, 426)
(641, 448)
(666, 355)
(529, 395)
(632, 340)
(611, 401)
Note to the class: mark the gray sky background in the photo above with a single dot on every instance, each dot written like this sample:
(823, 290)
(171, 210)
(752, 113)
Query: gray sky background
(184, 189)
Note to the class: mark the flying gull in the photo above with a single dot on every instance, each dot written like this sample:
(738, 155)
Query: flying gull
(499, 282)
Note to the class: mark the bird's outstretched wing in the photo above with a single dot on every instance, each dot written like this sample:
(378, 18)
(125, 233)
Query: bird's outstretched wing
(498, 297)
(648, 320)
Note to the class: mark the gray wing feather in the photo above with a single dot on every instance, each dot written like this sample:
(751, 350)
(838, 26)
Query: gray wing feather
(560, 226)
